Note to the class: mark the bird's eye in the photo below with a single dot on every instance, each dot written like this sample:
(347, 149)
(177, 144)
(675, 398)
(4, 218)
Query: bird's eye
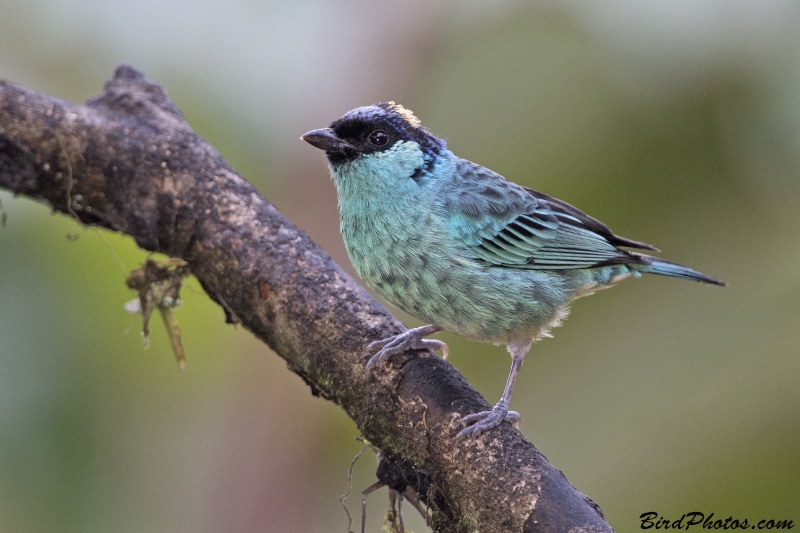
(378, 138)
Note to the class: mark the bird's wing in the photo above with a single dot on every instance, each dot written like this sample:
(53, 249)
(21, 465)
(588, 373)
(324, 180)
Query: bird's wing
(503, 224)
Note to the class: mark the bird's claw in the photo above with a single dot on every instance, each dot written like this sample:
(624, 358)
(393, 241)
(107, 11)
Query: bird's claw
(412, 339)
(477, 423)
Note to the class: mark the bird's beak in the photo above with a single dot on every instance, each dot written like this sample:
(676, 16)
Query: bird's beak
(325, 139)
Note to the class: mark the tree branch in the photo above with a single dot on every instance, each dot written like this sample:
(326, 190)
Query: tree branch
(129, 162)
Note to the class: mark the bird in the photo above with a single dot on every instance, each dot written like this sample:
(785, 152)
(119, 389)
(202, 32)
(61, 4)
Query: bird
(462, 248)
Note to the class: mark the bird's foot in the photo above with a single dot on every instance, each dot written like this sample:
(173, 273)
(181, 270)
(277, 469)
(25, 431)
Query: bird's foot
(477, 423)
(412, 339)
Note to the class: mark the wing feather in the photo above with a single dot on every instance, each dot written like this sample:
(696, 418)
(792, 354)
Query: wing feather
(503, 224)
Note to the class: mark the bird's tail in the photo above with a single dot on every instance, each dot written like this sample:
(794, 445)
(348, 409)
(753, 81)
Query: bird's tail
(654, 265)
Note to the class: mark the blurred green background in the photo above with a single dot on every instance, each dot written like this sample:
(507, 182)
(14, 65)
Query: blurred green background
(677, 123)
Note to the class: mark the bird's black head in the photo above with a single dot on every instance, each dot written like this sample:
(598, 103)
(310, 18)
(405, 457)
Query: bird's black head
(370, 129)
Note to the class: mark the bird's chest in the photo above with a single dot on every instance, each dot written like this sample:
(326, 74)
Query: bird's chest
(387, 240)
(395, 246)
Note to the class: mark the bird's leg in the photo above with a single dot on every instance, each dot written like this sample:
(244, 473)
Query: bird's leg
(412, 339)
(477, 423)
